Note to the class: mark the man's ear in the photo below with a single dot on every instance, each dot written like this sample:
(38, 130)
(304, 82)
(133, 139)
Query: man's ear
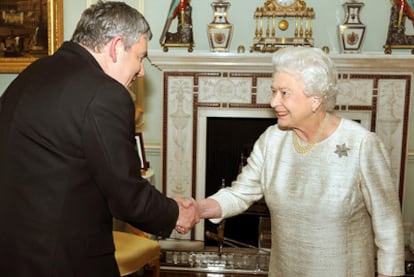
(114, 47)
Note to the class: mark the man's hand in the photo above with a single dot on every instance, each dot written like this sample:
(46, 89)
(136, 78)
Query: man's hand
(188, 214)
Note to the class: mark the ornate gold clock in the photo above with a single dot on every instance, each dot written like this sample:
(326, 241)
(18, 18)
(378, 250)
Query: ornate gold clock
(286, 3)
(282, 22)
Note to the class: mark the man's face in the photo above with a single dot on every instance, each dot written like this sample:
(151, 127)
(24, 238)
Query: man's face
(129, 64)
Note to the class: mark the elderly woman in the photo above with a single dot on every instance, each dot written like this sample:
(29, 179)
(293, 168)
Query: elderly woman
(326, 180)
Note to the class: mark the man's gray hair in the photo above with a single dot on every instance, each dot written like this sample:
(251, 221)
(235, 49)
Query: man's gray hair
(103, 21)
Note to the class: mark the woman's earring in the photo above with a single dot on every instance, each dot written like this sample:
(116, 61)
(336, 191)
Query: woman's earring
(314, 106)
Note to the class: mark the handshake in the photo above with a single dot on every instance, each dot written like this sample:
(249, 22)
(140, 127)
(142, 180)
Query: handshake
(189, 214)
(191, 211)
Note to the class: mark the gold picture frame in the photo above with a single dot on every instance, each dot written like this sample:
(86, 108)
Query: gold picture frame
(138, 90)
(29, 18)
(137, 93)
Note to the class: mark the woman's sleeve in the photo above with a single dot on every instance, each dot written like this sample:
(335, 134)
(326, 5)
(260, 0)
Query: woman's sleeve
(380, 191)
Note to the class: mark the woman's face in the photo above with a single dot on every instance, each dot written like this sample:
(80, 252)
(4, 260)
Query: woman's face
(292, 106)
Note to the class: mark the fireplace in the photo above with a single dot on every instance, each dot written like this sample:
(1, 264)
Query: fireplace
(222, 158)
(374, 90)
(229, 142)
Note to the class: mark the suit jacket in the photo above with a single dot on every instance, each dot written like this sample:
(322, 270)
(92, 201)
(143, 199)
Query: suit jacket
(68, 164)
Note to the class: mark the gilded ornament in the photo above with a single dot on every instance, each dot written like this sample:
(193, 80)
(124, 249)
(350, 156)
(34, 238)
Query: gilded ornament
(283, 24)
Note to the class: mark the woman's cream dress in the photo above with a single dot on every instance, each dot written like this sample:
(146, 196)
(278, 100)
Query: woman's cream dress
(327, 206)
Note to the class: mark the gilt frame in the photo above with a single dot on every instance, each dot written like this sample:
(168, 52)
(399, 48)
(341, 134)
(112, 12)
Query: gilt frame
(54, 20)
(138, 90)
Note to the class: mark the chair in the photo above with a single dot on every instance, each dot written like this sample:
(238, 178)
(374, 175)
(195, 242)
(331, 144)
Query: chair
(134, 251)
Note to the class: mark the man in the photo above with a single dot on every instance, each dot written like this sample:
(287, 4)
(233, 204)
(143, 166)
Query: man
(68, 162)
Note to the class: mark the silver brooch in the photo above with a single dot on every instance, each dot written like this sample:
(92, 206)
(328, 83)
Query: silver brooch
(342, 150)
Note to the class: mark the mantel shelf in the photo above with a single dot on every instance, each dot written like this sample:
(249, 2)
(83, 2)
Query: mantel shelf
(261, 62)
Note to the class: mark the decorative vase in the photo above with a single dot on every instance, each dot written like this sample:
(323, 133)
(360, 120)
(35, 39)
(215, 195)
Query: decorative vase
(352, 31)
(220, 30)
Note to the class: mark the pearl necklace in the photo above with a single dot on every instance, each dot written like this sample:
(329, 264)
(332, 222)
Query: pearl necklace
(300, 148)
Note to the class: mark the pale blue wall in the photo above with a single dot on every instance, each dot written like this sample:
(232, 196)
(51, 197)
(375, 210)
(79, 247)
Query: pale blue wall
(329, 14)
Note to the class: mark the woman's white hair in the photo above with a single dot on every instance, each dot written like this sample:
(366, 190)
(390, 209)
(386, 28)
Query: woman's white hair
(314, 68)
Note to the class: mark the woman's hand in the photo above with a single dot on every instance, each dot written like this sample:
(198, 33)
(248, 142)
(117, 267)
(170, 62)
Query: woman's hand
(188, 214)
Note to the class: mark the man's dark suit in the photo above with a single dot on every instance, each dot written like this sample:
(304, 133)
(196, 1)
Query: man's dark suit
(68, 164)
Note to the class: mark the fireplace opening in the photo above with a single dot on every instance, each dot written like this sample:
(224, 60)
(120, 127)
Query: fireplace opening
(228, 145)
